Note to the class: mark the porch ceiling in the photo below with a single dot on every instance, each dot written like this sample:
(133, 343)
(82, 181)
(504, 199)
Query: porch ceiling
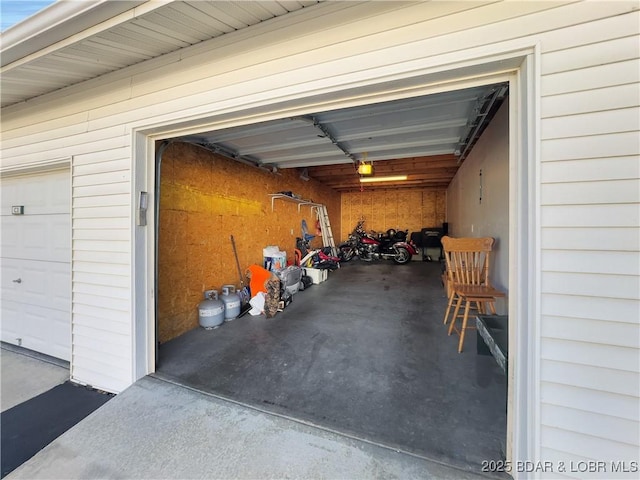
(71, 42)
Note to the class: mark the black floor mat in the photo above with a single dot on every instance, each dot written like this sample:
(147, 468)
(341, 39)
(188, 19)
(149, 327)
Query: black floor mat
(30, 426)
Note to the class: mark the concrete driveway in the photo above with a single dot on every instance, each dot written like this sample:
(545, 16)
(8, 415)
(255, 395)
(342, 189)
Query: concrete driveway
(156, 429)
(25, 376)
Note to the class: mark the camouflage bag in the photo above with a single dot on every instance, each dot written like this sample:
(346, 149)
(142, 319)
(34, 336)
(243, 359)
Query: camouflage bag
(272, 297)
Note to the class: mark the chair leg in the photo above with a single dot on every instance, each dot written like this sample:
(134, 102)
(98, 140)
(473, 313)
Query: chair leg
(480, 308)
(455, 315)
(464, 326)
(449, 305)
(492, 307)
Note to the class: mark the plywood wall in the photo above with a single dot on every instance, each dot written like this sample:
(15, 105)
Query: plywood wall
(204, 199)
(401, 209)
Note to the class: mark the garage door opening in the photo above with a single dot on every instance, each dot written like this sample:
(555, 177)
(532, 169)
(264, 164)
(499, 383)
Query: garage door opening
(364, 353)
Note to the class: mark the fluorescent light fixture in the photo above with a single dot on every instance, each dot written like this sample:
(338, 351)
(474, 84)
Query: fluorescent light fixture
(393, 178)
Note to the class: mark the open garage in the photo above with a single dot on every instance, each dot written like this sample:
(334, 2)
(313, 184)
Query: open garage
(364, 352)
(185, 123)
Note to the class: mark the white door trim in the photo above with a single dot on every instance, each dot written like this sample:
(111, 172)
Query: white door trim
(523, 432)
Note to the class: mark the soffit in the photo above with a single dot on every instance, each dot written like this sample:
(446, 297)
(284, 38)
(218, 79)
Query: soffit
(109, 36)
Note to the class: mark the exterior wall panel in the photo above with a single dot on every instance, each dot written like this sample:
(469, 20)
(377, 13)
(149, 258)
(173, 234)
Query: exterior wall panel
(599, 402)
(589, 219)
(590, 78)
(101, 244)
(576, 443)
(590, 378)
(586, 284)
(618, 49)
(595, 308)
(602, 99)
(585, 193)
(590, 169)
(574, 420)
(596, 123)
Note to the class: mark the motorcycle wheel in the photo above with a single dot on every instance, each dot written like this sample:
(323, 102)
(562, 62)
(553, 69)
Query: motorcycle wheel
(346, 253)
(403, 256)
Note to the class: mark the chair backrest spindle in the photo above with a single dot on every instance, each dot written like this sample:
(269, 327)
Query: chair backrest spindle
(467, 259)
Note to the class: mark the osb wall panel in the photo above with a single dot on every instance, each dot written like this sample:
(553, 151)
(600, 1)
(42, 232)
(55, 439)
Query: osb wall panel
(411, 209)
(204, 199)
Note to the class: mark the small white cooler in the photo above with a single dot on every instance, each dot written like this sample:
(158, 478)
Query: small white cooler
(318, 275)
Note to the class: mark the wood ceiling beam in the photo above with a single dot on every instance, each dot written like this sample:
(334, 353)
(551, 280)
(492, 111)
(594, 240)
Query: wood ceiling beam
(413, 162)
(430, 172)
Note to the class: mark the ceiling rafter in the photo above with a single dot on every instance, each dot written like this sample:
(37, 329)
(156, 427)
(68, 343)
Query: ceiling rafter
(328, 135)
(417, 137)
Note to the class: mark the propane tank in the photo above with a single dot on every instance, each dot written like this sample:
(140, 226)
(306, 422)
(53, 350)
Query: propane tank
(231, 302)
(211, 310)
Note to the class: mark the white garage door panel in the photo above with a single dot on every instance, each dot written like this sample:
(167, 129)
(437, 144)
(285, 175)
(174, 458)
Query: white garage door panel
(36, 249)
(44, 193)
(11, 311)
(37, 328)
(45, 284)
(36, 237)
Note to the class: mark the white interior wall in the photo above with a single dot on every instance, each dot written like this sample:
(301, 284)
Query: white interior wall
(471, 216)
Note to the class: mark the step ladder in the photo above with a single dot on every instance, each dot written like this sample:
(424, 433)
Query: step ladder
(325, 227)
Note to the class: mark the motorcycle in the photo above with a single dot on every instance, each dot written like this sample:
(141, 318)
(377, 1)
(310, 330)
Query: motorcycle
(391, 245)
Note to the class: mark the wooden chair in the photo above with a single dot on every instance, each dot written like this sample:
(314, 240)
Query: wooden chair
(468, 261)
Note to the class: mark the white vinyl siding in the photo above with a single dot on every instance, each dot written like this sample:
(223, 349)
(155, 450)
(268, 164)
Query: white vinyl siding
(589, 173)
(590, 219)
(101, 269)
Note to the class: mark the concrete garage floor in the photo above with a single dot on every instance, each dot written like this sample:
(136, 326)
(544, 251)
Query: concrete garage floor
(365, 354)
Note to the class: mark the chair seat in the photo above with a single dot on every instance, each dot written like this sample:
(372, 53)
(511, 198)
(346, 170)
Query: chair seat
(472, 292)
